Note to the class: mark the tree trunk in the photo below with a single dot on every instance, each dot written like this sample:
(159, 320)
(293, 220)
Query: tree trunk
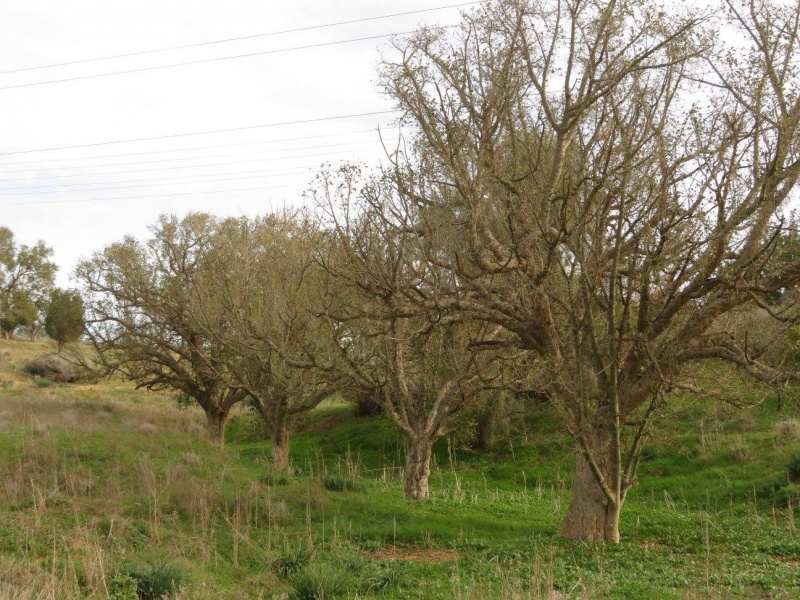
(216, 418)
(280, 446)
(590, 516)
(483, 431)
(418, 468)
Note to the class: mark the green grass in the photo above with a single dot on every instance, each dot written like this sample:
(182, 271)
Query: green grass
(88, 494)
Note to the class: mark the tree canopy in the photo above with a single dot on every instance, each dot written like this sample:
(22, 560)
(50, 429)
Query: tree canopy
(64, 318)
(26, 277)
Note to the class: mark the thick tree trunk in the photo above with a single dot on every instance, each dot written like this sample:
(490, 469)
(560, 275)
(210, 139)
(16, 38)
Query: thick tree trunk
(483, 431)
(418, 468)
(280, 446)
(216, 419)
(590, 516)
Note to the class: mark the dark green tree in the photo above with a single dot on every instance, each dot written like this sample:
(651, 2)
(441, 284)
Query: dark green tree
(64, 321)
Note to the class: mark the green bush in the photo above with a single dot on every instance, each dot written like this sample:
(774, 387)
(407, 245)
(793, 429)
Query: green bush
(291, 561)
(793, 468)
(320, 581)
(155, 580)
(789, 493)
(123, 587)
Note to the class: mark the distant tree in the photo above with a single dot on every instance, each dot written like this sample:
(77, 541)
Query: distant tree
(19, 311)
(64, 317)
(26, 277)
(139, 317)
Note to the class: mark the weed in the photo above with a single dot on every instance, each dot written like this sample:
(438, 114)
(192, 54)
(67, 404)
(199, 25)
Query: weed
(793, 468)
(342, 483)
(319, 581)
(787, 432)
(156, 580)
(272, 478)
(290, 561)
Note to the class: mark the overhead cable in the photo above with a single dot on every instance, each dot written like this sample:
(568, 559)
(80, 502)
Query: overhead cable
(201, 61)
(206, 132)
(241, 38)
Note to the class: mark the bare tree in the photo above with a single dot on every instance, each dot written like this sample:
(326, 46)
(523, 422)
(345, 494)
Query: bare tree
(605, 182)
(140, 321)
(259, 300)
(421, 370)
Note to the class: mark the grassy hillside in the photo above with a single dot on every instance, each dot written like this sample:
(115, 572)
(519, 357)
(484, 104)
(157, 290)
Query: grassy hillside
(102, 484)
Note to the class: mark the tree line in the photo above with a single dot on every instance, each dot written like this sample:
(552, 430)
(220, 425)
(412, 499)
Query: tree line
(590, 200)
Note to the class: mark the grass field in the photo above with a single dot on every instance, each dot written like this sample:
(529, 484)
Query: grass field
(102, 485)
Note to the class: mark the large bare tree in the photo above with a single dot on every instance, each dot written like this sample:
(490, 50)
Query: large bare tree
(606, 183)
(140, 319)
(259, 299)
(423, 371)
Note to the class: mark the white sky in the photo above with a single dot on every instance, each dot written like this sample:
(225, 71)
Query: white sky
(40, 192)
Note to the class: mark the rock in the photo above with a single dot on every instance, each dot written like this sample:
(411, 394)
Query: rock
(53, 367)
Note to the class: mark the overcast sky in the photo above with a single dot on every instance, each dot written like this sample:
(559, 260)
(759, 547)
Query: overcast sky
(80, 199)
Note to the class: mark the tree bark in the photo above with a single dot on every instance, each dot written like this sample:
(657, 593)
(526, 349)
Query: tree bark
(280, 446)
(216, 419)
(418, 468)
(590, 516)
(483, 431)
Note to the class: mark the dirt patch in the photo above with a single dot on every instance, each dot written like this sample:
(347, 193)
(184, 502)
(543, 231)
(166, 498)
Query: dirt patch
(322, 424)
(786, 560)
(413, 554)
(651, 545)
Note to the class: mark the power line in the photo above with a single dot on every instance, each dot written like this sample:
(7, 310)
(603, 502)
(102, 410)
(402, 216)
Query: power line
(238, 39)
(163, 160)
(270, 187)
(169, 179)
(126, 187)
(201, 61)
(275, 141)
(206, 132)
(175, 168)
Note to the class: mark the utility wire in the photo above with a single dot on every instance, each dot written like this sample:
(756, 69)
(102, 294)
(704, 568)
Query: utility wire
(149, 152)
(203, 60)
(237, 39)
(168, 160)
(175, 168)
(3, 193)
(166, 180)
(269, 187)
(206, 132)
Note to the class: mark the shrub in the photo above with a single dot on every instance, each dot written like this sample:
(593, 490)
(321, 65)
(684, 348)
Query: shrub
(156, 580)
(787, 431)
(787, 494)
(123, 587)
(291, 561)
(793, 468)
(320, 581)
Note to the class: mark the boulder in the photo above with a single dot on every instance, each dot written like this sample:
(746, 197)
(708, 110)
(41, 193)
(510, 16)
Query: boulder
(53, 367)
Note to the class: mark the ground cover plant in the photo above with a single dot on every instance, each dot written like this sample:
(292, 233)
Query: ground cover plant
(102, 485)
